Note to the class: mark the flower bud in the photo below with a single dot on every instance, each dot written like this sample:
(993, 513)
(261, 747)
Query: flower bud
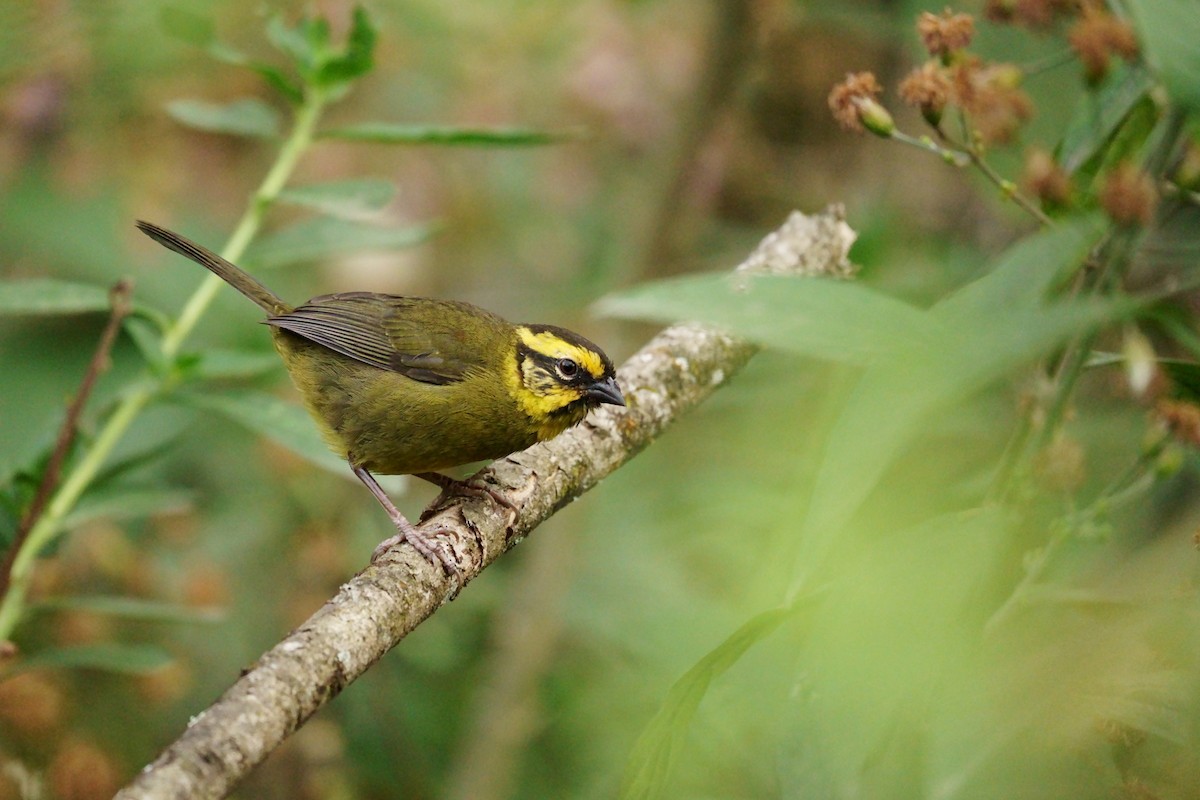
(875, 117)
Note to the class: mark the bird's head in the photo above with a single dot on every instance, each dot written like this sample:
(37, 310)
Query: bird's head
(559, 376)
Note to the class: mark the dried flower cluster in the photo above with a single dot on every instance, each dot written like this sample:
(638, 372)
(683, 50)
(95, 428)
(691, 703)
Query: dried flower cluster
(1182, 419)
(855, 105)
(992, 106)
(989, 94)
(1034, 14)
(945, 34)
(1096, 37)
(1128, 195)
(1045, 179)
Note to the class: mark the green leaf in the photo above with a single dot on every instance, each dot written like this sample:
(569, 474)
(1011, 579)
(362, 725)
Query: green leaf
(127, 659)
(1170, 30)
(148, 338)
(349, 199)
(221, 364)
(823, 318)
(291, 41)
(324, 237)
(648, 770)
(283, 423)
(125, 502)
(1025, 273)
(1099, 115)
(247, 117)
(393, 133)
(198, 30)
(132, 608)
(1185, 375)
(280, 82)
(45, 297)
(358, 58)
(113, 473)
(996, 324)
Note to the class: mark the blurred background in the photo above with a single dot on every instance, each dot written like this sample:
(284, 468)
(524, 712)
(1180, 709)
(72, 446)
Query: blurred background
(700, 126)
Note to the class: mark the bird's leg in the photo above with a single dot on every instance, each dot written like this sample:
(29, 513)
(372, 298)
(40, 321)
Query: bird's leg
(471, 486)
(423, 544)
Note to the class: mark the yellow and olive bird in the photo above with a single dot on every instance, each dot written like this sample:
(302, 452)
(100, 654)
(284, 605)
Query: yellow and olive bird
(413, 385)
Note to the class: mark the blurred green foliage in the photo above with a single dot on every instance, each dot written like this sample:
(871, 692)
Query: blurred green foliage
(932, 543)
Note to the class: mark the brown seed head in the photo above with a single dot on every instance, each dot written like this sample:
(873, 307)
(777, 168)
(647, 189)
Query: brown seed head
(1000, 11)
(1128, 195)
(1182, 420)
(1033, 14)
(1045, 179)
(82, 771)
(1098, 35)
(854, 105)
(31, 704)
(992, 97)
(928, 88)
(945, 33)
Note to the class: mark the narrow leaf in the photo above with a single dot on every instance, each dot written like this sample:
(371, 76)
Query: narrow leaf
(1025, 273)
(1169, 31)
(358, 59)
(283, 84)
(291, 41)
(648, 770)
(45, 296)
(148, 338)
(198, 30)
(835, 320)
(127, 659)
(1185, 378)
(221, 364)
(350, 199)
(327, 236)
(247, 117)
(1099, 115)
(131, 464)
(132, 608)
(393, 133)
(998, 323)
(283, 423)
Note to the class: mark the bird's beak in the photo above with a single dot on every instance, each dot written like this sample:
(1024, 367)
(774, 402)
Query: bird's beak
(606, 391)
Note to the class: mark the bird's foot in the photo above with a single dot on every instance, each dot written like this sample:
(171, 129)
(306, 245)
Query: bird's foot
(428, 546)
(473, 487)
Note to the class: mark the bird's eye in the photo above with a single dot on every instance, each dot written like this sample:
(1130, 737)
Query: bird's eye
(567, 368)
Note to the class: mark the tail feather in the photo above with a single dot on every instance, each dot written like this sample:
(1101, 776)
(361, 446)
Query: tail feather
(232, 274)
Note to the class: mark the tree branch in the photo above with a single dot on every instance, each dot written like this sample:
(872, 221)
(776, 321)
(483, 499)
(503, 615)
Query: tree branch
(377, 608)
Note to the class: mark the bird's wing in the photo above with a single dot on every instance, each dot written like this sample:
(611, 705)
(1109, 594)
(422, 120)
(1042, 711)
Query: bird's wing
(432, 341)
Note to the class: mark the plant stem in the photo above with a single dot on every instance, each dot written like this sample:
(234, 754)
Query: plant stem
(12, 605)
(119, 298)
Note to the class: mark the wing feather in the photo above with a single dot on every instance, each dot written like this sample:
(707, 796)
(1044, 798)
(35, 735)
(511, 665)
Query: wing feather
(432, 341)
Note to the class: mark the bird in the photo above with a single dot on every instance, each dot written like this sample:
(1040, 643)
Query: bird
(402, 385)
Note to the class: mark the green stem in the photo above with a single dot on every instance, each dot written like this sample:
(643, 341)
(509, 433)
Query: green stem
(12, 605)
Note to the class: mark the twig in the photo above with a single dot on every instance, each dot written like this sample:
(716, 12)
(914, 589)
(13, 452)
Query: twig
(372, 612)
(119, 299)
(1007, 187)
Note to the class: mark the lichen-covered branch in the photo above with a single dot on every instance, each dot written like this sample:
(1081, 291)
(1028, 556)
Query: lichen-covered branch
(673, 373)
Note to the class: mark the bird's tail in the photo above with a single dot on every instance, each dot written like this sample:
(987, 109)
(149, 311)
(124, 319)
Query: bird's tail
(232, 274)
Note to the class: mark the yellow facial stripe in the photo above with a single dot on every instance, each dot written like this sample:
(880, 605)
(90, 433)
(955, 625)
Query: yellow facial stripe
(540, 396)
(552, 346)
